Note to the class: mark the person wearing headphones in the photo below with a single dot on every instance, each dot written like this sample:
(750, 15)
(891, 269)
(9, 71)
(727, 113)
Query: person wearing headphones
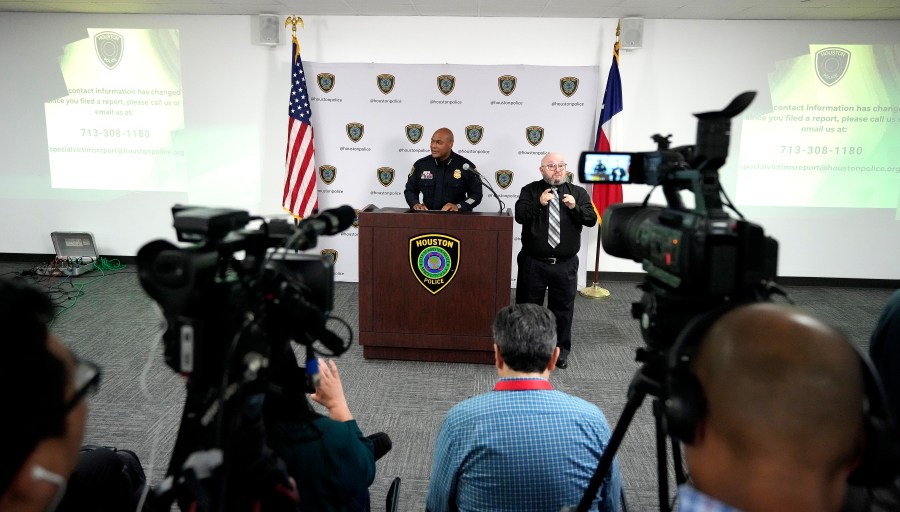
(779, 422)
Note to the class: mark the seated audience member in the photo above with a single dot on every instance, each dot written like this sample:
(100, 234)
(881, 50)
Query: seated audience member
(331, 461)
(45, 388)
(523, 446)
(884, 349)
(782, 426)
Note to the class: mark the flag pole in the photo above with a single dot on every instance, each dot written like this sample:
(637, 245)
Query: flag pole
(595, 291)
(293, 21)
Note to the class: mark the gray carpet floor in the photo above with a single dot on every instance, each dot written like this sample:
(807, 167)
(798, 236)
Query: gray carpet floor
(109, 319)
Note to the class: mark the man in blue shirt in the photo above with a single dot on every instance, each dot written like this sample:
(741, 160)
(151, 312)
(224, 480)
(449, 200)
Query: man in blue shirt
(781, 424)
(523, 446)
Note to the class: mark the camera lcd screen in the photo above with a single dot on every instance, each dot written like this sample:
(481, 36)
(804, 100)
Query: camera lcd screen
(606, 167)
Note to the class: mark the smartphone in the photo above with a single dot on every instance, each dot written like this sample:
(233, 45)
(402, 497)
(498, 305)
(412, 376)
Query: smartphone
(604, 167)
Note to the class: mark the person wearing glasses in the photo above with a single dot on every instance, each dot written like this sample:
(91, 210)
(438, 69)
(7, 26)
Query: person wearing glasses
(44, 387)
(552, 213)
(444, 180)
(45, 390)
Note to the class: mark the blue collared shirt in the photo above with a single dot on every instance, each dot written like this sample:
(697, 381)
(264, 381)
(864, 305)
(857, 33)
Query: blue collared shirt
(532, 449)
(692, 500)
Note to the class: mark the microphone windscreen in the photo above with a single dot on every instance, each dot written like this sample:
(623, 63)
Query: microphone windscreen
(338, 219)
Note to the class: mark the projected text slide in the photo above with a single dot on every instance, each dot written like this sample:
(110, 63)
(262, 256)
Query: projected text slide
(117, 127)
(832, 137)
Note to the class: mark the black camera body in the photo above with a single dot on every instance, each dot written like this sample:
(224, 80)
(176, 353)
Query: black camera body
(696, 258)
(207, 294)
(233, 303)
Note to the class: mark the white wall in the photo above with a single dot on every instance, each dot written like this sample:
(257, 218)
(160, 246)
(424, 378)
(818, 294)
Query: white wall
(235, 86)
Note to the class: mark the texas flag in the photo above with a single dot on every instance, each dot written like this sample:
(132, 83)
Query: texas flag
(607, 194)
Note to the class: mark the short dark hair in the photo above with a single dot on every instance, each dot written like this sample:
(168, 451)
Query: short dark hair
(526, 336)
(32, 379)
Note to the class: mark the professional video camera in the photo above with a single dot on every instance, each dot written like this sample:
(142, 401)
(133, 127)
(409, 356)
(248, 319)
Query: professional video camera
(698, 260)
(233, 301)
(694, 258)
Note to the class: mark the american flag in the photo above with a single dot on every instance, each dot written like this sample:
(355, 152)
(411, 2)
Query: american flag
(300, 196)
(607, 194)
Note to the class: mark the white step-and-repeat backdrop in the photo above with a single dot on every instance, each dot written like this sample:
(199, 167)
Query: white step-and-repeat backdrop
(372, 121)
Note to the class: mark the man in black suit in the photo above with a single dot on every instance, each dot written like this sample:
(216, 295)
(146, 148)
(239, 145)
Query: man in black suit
(552, 213)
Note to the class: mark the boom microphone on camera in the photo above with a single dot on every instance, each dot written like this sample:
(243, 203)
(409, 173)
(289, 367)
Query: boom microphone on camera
(305, 234)
(329, 222)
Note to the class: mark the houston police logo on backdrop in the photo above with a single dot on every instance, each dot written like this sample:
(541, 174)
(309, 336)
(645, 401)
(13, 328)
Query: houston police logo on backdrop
(327, 173)
(414, 132)
(832, 64)
(385, 175)
(110, 47)
(325, 81)
(434, 259)
(534, 135)
(568, 85)
(355, 131)
(504, 178)
(330, 255)
(356, 219)
(507, 84)
(474, 133)
(446, 83)
(385, 83)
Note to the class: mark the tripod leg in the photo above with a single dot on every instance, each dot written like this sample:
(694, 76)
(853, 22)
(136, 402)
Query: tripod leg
(662, 466)
(631, 406)
(680, 476)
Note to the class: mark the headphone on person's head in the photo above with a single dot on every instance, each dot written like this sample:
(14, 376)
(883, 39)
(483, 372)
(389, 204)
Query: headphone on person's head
(685, 404)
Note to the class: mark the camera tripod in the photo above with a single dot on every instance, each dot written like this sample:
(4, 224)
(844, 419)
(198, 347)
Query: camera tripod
(647, 380)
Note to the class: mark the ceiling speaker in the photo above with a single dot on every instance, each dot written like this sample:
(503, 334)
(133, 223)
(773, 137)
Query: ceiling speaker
(267, 30)
(632, 36)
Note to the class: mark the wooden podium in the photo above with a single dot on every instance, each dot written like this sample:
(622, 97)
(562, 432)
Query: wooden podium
(399, 316)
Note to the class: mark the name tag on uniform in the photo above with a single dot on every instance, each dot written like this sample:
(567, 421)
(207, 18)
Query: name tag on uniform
(426, 175)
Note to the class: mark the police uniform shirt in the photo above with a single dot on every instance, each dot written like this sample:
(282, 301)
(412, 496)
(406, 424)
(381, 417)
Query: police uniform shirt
(443, 182)
(535, 222)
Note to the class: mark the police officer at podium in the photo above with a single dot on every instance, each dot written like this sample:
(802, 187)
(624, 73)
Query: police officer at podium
(445, 180)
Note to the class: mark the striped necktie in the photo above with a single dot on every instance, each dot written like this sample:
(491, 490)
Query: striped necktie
(553, 232)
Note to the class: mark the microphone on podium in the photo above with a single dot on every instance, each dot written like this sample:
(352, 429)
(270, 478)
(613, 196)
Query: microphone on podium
(467, 167)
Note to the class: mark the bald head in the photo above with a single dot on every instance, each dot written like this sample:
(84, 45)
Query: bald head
(441, 143)
(782, 385)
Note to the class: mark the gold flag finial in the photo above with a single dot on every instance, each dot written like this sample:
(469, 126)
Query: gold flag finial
(617, 45)
(293, 21)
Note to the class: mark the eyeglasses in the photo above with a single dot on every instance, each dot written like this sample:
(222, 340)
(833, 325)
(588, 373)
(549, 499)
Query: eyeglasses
(553, 167)
(87, 381)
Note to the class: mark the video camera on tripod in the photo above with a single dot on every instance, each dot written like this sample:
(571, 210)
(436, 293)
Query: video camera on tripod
(698, 260)
(694, 258)
(232, 302)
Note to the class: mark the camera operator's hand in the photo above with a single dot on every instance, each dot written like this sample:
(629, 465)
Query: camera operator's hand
(330, 392)
(569, 201)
